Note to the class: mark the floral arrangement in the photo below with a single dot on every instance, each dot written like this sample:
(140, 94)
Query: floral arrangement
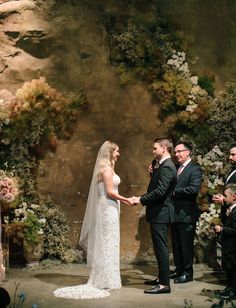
(213, 168)
(143, 51)
(204, 230)
(222, 124)
(8, 187)
(179, 91)
(25, 222)
(30, 124)
(56, 242)
(205, 233)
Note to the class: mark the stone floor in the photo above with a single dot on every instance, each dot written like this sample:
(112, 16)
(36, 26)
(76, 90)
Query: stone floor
(39, 282)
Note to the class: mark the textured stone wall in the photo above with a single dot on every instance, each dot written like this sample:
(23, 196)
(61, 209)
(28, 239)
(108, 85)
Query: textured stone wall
(67, 42)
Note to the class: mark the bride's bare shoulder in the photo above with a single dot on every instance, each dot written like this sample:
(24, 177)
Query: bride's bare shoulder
(107, 172)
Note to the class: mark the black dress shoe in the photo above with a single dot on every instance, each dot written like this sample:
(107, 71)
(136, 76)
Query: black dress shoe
(228, 294)
(183, 279)
(158, 290)
(152, 282)
(223, 292)
(174, 275)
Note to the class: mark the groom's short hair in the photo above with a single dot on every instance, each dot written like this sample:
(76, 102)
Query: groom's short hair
(165, 142)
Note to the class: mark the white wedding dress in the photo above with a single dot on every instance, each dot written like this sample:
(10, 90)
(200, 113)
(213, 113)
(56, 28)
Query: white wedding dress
(105, 269)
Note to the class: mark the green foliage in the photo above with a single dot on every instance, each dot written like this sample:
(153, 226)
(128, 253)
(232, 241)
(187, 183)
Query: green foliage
(222, 117)
(56, 233)
(32, 227)
(144, 50)
(172, 92)
(207, 83)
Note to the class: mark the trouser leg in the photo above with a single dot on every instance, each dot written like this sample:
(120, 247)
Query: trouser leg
(159, 238)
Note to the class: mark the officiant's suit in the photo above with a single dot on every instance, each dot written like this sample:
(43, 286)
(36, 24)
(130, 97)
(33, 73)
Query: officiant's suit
(186, 215)
(160, 213)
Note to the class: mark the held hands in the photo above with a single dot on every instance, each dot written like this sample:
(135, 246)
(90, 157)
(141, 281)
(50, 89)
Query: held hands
(135, 200)
(132, 201)
(128, 201)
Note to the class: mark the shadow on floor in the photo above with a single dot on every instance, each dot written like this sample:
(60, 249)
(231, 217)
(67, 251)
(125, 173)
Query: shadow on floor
(131, 278)
(217, 278)
(62, 279)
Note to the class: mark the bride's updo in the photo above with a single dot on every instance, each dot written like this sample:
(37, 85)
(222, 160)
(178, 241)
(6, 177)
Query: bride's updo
(105, 157)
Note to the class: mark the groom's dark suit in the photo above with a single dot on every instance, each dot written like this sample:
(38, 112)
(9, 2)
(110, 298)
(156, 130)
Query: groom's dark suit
(160, 212)
(186, 214)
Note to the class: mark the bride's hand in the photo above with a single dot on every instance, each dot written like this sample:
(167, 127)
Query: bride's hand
(129, 201)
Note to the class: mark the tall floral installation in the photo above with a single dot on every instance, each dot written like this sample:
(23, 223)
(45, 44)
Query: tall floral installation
(30, 125)
(153, 50)
(8, 194)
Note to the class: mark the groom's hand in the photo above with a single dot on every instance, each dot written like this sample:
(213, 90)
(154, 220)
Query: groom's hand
(135, 200)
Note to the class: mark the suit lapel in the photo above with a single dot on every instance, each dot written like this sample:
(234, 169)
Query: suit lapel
(227, 180)
(157, 170)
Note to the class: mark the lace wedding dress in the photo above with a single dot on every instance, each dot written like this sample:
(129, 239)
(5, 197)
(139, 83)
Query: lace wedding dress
(105, 267)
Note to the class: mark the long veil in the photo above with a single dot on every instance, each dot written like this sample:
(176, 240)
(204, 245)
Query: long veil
(91, 228)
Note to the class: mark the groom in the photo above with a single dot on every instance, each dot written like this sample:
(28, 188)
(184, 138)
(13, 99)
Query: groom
(160, 211)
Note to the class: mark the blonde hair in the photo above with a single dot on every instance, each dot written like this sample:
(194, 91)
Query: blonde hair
(106, 157)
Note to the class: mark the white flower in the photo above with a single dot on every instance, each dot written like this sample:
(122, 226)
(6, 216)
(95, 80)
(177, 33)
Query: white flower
(184, 68)
(30, 211)
(6, 219)
(34, 206)
(217, 150)
(194, 80)
(170, 62)
(195, 90)
(191, 107)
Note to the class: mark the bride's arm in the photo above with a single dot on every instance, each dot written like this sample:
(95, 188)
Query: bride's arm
(108, 182)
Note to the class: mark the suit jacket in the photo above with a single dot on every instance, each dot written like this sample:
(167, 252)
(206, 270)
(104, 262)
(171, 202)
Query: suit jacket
(228, 234)
(158, 199)
(232, 179)
(185, 193)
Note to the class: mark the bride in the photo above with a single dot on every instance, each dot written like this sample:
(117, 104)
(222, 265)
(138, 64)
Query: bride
(100, 234)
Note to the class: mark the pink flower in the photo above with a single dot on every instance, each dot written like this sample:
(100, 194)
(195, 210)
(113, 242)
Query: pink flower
(9, 197)
(8, 188)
